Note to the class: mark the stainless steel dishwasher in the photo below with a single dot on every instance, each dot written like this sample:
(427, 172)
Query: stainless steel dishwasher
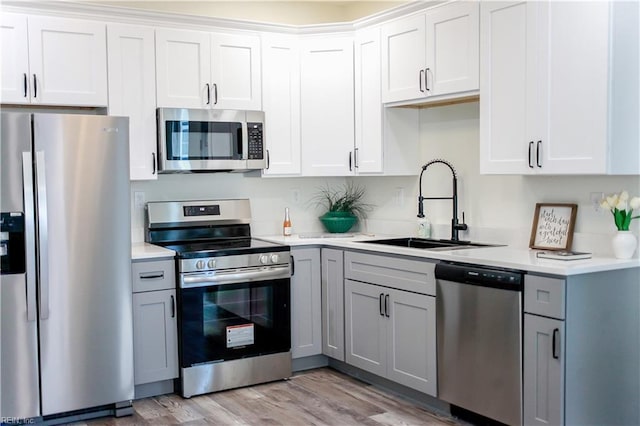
(479, 334)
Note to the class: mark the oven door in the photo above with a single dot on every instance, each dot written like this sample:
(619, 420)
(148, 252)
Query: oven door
(224, 318)
(202, 140)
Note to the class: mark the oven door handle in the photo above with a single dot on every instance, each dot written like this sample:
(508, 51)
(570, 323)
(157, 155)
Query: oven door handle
(206, 280)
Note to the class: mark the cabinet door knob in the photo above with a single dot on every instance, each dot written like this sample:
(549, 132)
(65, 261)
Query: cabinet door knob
(215, 94)
(35, 86)
(380, 304)
(554, 343)
(173, 307)
(530, 148)
(208, 94)
(25, 82)
(420, 78)
(426, 79)
(386, 306)
(153, 163)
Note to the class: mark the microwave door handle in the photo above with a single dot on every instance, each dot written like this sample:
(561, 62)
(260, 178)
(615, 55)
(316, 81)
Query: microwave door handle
(245, 140)
(30, 234)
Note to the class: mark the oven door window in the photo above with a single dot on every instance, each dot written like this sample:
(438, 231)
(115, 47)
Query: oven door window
(225, 322)
(203, 140)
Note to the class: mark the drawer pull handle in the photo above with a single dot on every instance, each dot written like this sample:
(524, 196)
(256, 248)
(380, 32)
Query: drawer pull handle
(152, 276)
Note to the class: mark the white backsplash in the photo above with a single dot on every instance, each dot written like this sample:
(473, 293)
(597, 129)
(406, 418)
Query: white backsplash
(497, 208)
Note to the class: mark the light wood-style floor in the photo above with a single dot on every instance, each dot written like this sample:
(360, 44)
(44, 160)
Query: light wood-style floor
(315, 397)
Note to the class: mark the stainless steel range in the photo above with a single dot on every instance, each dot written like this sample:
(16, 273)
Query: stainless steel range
(234, 318)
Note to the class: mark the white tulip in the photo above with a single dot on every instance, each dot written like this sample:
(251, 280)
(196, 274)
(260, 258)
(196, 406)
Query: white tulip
(613, 200)
(624, 196)
(635, 203)
(605, 204)
(622, 205)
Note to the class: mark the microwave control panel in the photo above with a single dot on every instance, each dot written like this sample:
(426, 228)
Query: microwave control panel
(256, 145)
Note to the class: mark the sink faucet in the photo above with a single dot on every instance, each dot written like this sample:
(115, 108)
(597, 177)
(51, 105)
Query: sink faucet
(455, 225)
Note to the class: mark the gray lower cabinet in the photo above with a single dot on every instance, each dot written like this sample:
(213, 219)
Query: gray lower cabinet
(389, 331)
(333, 303)
(155, 332)
(581, 349)
(306, 322)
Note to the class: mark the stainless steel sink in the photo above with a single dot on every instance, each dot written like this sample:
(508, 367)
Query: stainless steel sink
(429, 244)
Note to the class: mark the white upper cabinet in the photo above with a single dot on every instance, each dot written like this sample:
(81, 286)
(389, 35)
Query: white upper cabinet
(431, 55)
(132, 93)
(368, 105)
(53, 61)
(327, 99)
(201, 70)
(281, 104)
(554, 92)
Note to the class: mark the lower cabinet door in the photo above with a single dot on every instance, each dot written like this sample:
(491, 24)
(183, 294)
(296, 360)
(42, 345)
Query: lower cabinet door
(332, 303)
(543, 371)
(411, 340)
(155, 336)
(306, 321)
(365, 325)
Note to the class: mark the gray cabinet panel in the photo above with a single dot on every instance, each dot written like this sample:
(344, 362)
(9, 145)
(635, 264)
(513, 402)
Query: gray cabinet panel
(411, 275)
(411, 337)
(153, 275)
(543, 372)
(306, 324)
(333, 303)
(366, 343)
(155, 347)
(544, 296)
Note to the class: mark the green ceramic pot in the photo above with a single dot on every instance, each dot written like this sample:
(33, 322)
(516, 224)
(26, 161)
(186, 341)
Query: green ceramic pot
(338, 222)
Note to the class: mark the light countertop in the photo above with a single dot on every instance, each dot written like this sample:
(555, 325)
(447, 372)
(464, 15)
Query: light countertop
(142, 251)
(501, 257)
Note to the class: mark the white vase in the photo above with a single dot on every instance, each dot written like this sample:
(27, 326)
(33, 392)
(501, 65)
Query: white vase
(624, 244)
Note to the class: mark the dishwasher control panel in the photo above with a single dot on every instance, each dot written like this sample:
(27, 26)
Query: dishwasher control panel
(479, 275)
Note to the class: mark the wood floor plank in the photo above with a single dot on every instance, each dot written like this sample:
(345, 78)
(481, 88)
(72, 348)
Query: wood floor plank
(321, 397)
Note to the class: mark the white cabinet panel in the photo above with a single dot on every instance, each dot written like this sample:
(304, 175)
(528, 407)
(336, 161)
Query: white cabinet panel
(368, 103)
(235, 63)
(183, 67)
(281, 103)
(15, 59)
(327, 106)
(132, 93)
(67, 61)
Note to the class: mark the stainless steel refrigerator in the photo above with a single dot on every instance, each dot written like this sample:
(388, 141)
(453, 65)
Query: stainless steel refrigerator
(65, 246)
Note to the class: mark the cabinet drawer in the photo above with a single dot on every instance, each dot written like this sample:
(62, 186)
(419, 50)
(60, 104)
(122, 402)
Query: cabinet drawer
(544, 296)
(404, 274)
(153, 275)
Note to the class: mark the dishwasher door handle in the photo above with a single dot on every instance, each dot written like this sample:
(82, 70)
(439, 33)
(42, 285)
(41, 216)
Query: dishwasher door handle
(554, 343)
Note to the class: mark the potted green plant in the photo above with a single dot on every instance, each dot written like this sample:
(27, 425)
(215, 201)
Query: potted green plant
(344, 206)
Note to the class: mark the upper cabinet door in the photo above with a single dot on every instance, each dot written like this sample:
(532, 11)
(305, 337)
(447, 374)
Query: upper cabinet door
(132, 93)
(368, 104)
(509, 98)
(403, 59)
(15, 59)
(235, 62)
(573, 79)
(183, 69)
(281, 104)
(327, 106)
(68, 61)
(453, 45)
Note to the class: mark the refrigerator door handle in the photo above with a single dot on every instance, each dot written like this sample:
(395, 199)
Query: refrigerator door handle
(43, 237)
(30, 235)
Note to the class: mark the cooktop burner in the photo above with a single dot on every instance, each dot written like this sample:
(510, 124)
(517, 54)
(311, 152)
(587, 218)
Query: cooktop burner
(214, 248)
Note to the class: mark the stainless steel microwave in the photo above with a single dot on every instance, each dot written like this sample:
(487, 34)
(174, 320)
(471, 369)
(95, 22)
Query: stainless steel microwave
(206, 140)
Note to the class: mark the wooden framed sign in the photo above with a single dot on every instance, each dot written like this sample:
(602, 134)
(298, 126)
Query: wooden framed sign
(553, 226)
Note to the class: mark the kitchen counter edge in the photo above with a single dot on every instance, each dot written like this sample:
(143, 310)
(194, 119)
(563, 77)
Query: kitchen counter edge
(146, 251)
(501, 257)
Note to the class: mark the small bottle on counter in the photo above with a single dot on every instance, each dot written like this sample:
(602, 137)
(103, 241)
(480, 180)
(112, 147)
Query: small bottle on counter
(424, 227)
(286, 225)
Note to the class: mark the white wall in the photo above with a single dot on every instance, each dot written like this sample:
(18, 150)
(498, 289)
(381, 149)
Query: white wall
(497, 208)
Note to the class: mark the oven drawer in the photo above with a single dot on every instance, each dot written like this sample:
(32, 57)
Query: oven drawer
(153, 275)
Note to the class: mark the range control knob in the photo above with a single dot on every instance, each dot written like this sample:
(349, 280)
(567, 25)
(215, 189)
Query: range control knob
(200, 264)
(264, 259)
(211, 263)
(274, 258)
